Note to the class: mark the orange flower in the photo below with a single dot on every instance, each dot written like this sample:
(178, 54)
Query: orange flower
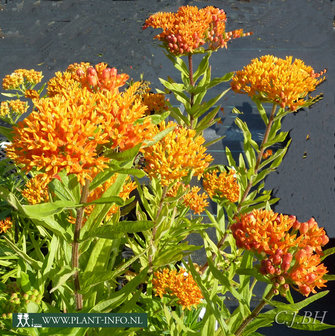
(36, 190)
(68, 130)
(176, 154)
(155, 102)
(287, 259)
(264, 231)
(173, 190)
(19, 77)
(190, 28)
(177, 284)
(195, 201)
(276, 80)
(307, 274)
(32, 94)
(223, 185)
(5, 225)
(101, 77)
(13, 106)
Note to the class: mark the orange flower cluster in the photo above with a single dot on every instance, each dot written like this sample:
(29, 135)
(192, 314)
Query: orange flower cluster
(31, 94)
(190, 28)
(196, 202)
(97, 193)
(5, 225)
(276, 80)
(21, 76)
(176, 154)
(173, 191)
(36, 189)
(224, 185)
(155, 102)
(177, 284)
(68, 130)
(16, 106)
(289, 250)
(101, 78)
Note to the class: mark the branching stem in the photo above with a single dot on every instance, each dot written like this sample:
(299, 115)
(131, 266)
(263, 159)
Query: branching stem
(247, 189)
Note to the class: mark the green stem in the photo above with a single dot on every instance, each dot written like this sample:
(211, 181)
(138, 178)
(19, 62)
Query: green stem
(254, 313)
(247, 189)
(75, 246)
(190, 69)
(154, 230)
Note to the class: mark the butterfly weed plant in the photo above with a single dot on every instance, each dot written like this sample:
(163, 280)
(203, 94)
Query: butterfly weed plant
(82, 152)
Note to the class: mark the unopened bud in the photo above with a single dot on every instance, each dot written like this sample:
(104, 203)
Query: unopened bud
(325, 240)
(80, 72)
(92, 80)
(91, 72)
(304, 228)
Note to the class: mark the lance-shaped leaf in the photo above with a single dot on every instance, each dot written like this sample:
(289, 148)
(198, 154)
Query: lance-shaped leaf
(117, 298)
(114, 230)
(203, 66)
(158, 137)
(7, 132)
(126, 155)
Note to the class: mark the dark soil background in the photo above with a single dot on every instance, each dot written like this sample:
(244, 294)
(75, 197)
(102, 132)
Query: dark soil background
(49, 35)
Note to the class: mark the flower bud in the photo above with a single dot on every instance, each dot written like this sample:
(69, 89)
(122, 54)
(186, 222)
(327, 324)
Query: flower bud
(311, 223)
(80, 73)
(105, 75)
(325, 240)
(287, 258)
(303, 228)
(304, 289)
(296, 225)
(91, 72)
(281, 280)
(92, 80)
(277, 259)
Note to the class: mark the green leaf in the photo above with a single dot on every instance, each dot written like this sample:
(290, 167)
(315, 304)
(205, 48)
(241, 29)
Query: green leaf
(113, 231)
(158, 118)
(230, 158)
(106, 200)
(198, 110)
(34, 263)
(63, 275)
(329, 277)
(50, 257)
(24, 281)
(180, 65)
(295, 307)
(210, 305)
(40, 211)
(158, 137)
(206, 121)
(204, 64)
(261, 111)
(212, 142)
(328, 252)
(100, 210)
(117, 298)
(7, 132)
(218, 80)
(224, 280)
(126, 155)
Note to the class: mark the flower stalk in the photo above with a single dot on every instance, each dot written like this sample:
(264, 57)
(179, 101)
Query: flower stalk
(190, 69)
(247, 189)
(255, 312)
(75, 246)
